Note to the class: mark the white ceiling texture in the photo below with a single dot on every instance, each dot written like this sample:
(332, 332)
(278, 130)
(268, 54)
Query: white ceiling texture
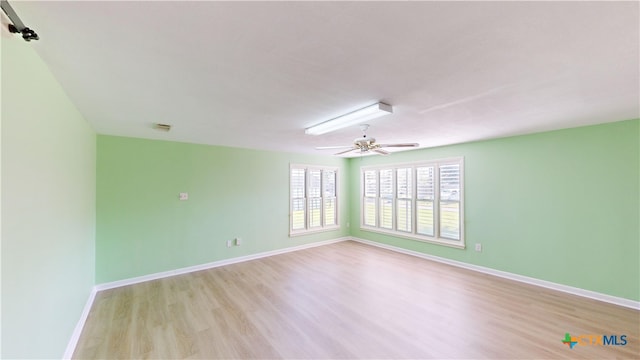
(256, 74)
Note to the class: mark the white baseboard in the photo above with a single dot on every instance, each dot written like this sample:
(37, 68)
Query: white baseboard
(75, 336)
(186, 270)
(507, 275)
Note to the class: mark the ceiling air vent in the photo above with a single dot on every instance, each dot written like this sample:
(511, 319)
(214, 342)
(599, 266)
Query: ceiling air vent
(163, 127)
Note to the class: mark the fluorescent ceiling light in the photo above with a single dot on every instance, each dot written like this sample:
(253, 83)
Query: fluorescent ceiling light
(352, 118)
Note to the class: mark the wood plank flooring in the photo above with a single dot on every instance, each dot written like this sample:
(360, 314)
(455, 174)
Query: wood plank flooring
(347, 300)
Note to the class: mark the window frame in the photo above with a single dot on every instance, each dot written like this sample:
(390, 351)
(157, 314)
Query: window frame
(324, 226)
(437, 238)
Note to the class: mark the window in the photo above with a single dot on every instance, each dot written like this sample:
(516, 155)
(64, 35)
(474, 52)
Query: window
(421, 201)
(386, 199)
(329, 197)
(370, 197)
(313, 199)
(404, 199)
(450, 201)
(425, 197)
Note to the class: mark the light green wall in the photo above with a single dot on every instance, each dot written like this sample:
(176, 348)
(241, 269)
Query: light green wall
(560, 206)
(143, 228)
(48, 208)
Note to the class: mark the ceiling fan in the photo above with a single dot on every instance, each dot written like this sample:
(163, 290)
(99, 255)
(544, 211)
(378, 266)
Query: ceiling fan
(365, 144)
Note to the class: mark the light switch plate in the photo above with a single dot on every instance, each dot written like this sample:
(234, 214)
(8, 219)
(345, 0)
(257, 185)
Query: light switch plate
(184, 196)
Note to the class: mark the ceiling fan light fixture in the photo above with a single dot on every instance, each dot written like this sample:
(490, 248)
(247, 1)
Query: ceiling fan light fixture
(352, 118)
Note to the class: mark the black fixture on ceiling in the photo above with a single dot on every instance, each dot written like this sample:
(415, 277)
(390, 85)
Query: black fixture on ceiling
(17, 26)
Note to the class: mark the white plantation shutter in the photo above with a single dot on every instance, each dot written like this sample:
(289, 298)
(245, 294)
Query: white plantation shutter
(370, 197)
(450, 201)
(421, 201)
(404, 204)
(386, 199)
(329, 197)
(297, 183)
(298, 204)
(315, 212)
(330, 211)
(329, 183)
(425, 197)
(313, 198)
(314, 188)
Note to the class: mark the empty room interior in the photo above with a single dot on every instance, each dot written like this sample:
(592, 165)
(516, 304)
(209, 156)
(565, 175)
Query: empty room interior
(320, 180)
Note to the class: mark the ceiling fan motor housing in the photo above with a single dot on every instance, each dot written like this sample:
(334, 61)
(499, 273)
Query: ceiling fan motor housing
(364, 142)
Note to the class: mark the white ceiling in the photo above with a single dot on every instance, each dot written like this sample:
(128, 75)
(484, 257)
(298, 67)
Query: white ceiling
(256, 74)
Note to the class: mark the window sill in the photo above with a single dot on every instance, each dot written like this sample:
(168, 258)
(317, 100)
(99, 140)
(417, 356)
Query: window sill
(313, 231)
(450, 243)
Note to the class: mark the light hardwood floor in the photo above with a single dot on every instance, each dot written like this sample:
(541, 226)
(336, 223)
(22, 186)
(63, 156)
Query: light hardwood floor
(348, 300)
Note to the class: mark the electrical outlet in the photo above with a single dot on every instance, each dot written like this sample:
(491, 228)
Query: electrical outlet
(238, 241)
(478, 247)
(229, 243)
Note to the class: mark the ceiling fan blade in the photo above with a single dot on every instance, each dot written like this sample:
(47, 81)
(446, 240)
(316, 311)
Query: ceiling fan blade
(382, 152)
(399, 145)
(346, 151)
(333, 147)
